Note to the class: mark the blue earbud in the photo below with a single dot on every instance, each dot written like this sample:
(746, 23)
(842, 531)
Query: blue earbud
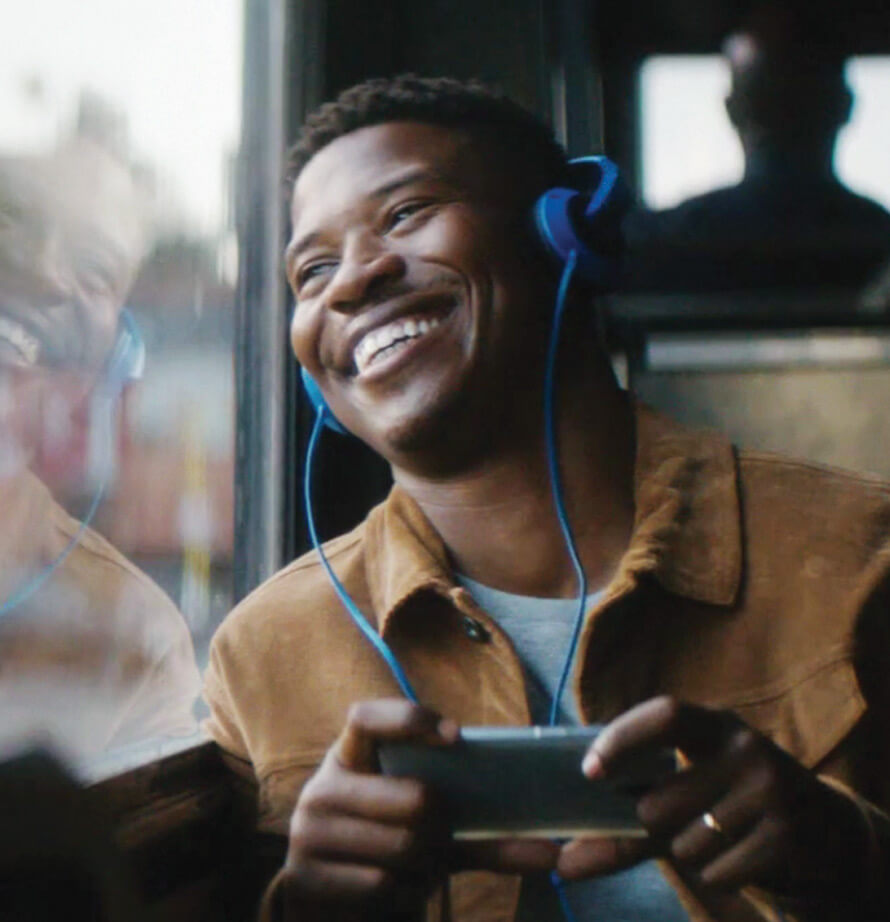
(313, 392)
(126, 361)
(567, 221)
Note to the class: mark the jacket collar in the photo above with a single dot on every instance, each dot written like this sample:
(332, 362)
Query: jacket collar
(687, 531)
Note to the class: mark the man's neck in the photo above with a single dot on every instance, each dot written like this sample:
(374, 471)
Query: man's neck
(807, 165)
(497, 517)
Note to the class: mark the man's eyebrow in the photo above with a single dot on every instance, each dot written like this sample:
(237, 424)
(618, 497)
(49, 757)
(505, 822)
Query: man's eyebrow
(293, 250)
(416, 174)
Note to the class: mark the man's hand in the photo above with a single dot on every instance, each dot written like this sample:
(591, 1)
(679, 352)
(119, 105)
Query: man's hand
(360, 839)
(742, 812)
(364, 841)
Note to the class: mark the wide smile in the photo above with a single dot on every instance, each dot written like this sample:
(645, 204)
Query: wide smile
(23, 337)
(380, 348)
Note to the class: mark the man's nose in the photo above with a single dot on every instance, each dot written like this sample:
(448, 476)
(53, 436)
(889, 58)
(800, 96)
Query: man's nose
(362, 277)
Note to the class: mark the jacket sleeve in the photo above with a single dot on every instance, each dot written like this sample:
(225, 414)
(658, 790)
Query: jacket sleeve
(222, 725)
(876, 872)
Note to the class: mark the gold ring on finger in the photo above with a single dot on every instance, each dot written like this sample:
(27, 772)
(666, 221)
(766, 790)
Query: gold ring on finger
(712, 823)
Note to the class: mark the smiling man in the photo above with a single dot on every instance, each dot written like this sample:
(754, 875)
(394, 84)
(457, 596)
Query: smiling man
(450, 308)
(737, 601)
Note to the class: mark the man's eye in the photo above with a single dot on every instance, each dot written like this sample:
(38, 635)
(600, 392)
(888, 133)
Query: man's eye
(312, 271)
(403, 212)
(95, 283)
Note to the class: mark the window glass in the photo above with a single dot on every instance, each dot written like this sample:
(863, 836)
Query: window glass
(118, 262)
(681, 98)
(861, 159)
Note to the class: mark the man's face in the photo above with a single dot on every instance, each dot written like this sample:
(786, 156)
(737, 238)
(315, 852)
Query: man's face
(417, 292)
(69, 231)
(70, 238)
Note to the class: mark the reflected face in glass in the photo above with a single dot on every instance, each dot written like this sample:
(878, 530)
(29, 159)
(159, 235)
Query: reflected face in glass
(413, 290)
(70, 241)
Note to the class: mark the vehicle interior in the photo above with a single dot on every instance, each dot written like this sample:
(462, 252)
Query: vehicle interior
(156, 830)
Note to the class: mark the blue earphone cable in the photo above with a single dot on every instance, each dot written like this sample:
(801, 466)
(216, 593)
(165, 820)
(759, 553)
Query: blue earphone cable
(360, 620)
(556, 480)
(556, 485)
(553, 465)
(559, 500)
(562, 516)
(126, 363)
(26, 591)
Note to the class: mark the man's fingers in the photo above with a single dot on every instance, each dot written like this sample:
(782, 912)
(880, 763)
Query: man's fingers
(352, 883)
(733, 816)
(353, 840)
(658, 723)
(387, 720)
(396, 801)
(750, 860)
(582, 858)
(678, 800)
(507, 856)
(360, 838)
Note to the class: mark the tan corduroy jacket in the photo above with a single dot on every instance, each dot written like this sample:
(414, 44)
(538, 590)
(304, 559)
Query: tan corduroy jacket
(751, 582)
(98, 657)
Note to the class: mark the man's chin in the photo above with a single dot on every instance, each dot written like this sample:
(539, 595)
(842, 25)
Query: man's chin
(409, 435)
(435, 438)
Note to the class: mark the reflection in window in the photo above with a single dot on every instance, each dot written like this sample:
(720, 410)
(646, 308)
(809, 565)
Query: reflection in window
(681, 98)
(117, 267)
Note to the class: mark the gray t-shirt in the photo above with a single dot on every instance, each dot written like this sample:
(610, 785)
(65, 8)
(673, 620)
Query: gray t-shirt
(541, 630)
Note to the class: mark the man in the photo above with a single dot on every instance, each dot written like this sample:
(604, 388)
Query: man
(423, 304)
(93, 655)
(790, 223)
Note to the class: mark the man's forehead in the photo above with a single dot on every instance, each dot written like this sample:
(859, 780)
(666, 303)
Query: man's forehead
(360, 164)
(81, 196)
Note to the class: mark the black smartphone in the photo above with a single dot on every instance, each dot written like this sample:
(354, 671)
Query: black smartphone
(527, 781)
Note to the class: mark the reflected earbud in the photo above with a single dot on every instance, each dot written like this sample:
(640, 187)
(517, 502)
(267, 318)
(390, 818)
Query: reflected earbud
(126, 363)
(584, 220)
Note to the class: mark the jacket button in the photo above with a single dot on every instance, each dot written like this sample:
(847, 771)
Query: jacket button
(474, 629)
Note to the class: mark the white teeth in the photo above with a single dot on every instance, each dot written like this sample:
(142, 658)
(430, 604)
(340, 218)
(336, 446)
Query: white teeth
(374, 344)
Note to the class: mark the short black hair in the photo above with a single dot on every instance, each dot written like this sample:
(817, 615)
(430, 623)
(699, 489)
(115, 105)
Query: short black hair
(467, 105)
